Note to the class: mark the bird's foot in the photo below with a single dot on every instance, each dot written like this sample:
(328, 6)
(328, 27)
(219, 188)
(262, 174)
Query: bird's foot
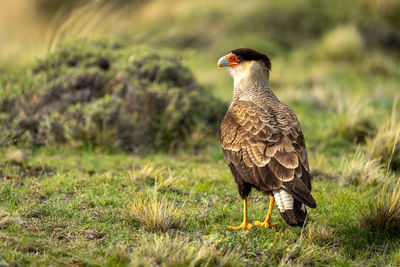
(244, 225)
(265, 224)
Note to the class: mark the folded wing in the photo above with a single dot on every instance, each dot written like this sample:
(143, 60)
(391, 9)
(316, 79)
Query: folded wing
(267, 149)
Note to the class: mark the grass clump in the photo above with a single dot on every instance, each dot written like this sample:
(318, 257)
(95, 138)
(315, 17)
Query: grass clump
(384, 215)
(103, 93)
(385, 146)
(154, 215)
(322, 234)
(354, 124)
(174, 251)
(360, 169)
(342, 43)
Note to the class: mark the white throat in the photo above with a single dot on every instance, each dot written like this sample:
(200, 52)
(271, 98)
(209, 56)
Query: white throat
(238, 74)
(251, 82)
(252, 71)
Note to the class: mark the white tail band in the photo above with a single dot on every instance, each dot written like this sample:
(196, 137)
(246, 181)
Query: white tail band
(283, 199)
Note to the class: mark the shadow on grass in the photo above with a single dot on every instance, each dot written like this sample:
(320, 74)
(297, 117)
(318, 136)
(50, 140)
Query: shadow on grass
(360, 241)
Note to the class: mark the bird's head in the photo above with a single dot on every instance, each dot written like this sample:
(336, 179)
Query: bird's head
(245, 61)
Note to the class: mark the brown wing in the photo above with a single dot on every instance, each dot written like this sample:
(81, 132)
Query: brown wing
(267, 149)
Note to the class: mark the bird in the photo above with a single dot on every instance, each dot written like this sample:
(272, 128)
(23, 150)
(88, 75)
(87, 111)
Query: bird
(262, 142)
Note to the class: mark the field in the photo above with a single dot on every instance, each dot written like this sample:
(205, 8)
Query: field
(95, 197)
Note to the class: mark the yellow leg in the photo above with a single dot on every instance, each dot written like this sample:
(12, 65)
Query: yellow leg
(245, 224)
(267, 222)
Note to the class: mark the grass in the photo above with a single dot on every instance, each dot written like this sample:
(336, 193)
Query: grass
(355, 124)
(343, 43)
(385, 146)
(52, 218)
(91, 205)
(181, 251)
(384, 215)
(155, 215)
(360, 170)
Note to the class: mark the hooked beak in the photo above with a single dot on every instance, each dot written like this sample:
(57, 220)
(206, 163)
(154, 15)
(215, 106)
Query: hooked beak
(222, 62)
(229, 60)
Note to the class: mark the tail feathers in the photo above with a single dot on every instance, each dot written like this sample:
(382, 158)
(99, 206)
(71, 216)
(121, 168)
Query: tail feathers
(292, 211)
(299, 191)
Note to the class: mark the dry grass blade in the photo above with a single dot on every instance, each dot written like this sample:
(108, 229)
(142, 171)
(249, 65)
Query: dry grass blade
(155, 215)
(88, 21)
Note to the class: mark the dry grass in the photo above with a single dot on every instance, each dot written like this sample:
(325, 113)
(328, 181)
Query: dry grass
(354, 124)
(303, 254)
(385, 146)
(320, 234)
(154, 215)
(384, 215)
(163, 178)
(360, 169)
(31, 33)
(88, 21)
(343, 43)
(143, 173)
(174, 251)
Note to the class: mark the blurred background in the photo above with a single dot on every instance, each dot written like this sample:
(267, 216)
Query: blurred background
(337, 57)
(309, 30)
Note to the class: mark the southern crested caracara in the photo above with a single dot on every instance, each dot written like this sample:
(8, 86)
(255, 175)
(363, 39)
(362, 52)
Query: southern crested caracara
(262, 141)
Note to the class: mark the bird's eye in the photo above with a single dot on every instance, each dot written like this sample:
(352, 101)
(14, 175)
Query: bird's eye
(239, 57)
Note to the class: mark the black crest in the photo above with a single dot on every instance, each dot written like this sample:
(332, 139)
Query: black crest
(250, 54)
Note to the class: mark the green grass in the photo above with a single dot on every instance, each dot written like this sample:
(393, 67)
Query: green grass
(76, 215)
(87, 206)
(90, 205)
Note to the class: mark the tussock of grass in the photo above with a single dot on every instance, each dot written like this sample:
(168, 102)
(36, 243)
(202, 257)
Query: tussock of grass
(360, 169)
(343, 43)
(320, 234)
(354, 124)
(174, 251)
(154, 215)
(385, 146)
(384, 215)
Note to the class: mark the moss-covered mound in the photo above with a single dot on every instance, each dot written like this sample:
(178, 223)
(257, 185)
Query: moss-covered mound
(102, 93)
